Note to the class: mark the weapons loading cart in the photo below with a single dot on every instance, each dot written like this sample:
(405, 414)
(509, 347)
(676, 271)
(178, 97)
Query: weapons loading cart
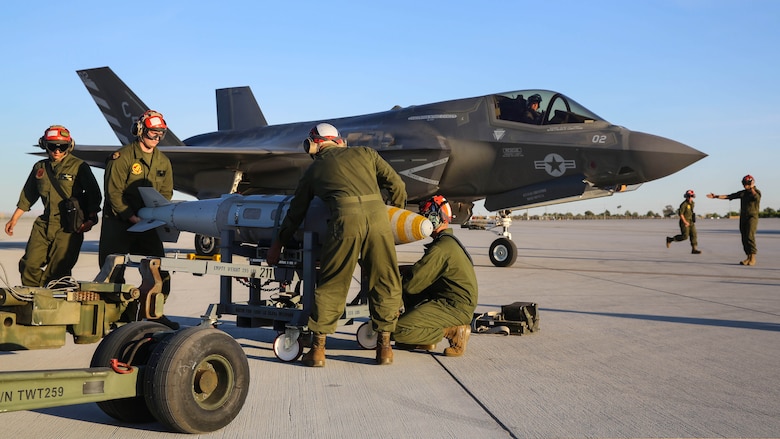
(134, 375)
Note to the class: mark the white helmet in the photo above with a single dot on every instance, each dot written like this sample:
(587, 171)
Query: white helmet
(322, 135)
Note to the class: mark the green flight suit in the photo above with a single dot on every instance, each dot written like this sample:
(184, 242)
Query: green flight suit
(128, 169)
(748, 218)
(349, 181)
(443, 286)
(686, 211)
(51, 253)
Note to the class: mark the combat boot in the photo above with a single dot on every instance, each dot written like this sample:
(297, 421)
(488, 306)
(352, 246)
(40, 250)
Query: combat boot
(669, 242)
(316, 355)
(751, 259)
(384, 351)
(458, 337)
(746, 261)
(695, 251)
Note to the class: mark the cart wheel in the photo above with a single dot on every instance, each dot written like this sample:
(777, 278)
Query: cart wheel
(206, 245)
(366, 336)
(503, 252)
(197, 380)
(286, 348)
(130, 343)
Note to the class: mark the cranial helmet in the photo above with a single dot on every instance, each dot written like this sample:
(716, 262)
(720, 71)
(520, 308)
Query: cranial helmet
(150, 120)
(748, 179)
(56, 135)
(321, 136)
(437, 210)
(689, 194)
(534, 99)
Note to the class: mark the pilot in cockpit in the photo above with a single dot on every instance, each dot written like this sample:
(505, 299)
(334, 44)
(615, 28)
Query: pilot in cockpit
(532, 114)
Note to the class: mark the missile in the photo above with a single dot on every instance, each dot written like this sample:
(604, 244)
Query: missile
(254, 218)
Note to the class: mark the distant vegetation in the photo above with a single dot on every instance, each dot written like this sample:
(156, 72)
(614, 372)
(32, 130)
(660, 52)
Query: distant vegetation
(668, 212)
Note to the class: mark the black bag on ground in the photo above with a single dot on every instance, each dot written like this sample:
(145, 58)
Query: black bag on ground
(516, 319)
(71, 215)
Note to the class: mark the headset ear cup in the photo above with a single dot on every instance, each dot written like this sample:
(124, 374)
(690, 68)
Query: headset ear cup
(41, 143)
(434, 219)
(310, 147)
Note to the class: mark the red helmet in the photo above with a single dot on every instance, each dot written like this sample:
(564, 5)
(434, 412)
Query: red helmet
(689, 194)
(150, 120)
(748, 179)
(56, 135)
(436, 209)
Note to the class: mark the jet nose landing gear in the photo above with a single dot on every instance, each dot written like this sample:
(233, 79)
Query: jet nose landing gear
(503, 251)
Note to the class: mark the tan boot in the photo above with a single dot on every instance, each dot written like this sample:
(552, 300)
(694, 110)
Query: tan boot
(695, 251)
(751, 259)
(384, 351)
(458, 337)
(746, 261)
(316, 355)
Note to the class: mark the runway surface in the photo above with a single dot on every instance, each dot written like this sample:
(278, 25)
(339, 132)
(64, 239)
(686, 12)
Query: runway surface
(636, 340)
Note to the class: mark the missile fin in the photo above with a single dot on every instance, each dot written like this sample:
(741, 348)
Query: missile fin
(152, 198)
(146, 224)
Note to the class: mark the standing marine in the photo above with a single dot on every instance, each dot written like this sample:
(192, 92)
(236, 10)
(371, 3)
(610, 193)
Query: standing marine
(52, 251)
(349, 181)
(749, 200)
(139, 164)
(687, 223)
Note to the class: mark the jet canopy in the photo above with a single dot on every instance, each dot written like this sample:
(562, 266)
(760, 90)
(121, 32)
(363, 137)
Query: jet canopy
(554, 108)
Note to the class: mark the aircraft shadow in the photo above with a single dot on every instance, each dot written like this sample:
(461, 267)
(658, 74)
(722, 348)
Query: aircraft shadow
(761, 326)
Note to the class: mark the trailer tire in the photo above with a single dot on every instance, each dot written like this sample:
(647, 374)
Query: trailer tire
(120, 344)
(197, 380)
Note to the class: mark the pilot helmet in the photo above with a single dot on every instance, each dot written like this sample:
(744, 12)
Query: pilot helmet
(747, 180)
(534, 99)
(56, 136)
(149, 121)
(689, 194)
(321, 136)
(437, 210)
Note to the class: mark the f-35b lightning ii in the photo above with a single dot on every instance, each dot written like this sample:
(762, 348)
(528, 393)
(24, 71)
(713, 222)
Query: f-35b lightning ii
(484, 147)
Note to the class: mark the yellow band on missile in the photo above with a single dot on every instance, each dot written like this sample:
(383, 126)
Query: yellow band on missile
(408, 226)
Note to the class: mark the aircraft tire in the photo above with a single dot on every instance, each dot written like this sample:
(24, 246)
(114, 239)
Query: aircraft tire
(197, 380)
(206, 245)
(503, 252)
(120, 344)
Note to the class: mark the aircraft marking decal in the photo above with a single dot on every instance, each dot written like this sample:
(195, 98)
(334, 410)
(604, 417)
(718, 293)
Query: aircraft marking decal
(498, 134)
(554, 164)
(430, 117)
(411, 171)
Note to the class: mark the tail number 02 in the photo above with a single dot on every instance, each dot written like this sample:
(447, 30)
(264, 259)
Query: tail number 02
(599, 138)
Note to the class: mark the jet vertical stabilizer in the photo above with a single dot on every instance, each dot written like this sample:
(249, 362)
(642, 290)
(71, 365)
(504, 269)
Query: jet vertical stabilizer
(237, 109)
(119, 105)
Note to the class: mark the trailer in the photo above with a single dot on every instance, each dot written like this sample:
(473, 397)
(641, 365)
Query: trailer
(135, 374)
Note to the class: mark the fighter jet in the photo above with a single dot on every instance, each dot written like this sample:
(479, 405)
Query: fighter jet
(485, 147)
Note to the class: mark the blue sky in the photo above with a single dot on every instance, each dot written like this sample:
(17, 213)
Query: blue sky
(702, 72)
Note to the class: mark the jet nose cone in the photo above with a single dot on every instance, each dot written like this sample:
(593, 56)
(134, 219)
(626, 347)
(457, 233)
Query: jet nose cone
(656, 157)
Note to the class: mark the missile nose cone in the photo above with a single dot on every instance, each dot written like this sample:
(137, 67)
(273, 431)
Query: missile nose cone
(656, 157)
(408, 226)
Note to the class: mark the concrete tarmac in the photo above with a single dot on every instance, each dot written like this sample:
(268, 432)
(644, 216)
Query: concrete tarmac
(636, 340)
